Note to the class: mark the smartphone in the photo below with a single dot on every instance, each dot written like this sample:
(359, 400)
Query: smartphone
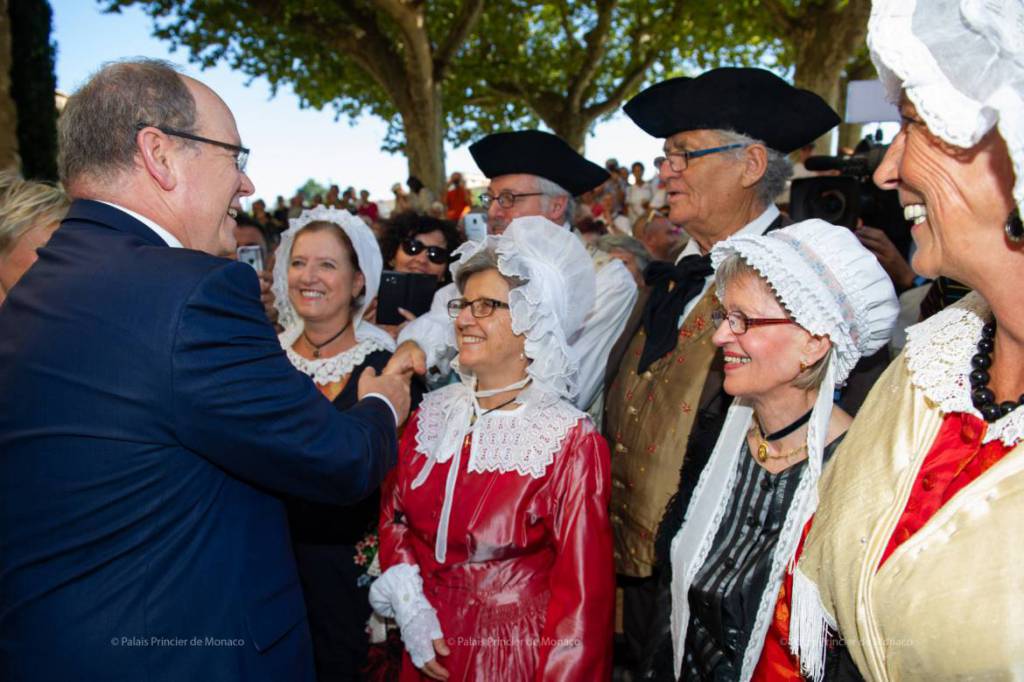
(475, 225)
(253, 255)
(413, 291)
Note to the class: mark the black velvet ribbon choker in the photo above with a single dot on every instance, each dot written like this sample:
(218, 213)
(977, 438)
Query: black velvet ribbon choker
(667, 303)
(783, 432)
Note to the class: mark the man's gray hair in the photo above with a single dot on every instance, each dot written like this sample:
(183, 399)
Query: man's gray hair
(549, 189)
(622, 241)
(777, 172)
(97, 129)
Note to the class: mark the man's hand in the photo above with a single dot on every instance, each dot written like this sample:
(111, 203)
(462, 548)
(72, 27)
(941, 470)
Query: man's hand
(392, 385)
(891, 260)
(432, 668)
(409, 357)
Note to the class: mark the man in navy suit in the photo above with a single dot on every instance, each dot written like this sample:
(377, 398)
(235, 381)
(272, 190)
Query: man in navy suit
(148, 416)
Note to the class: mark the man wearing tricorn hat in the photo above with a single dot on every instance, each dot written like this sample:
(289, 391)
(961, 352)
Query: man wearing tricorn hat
(726, 135)
(532, 173)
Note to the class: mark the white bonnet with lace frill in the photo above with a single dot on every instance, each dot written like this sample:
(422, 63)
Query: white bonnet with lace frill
(961, 62)
(370, 264)
(558, 294)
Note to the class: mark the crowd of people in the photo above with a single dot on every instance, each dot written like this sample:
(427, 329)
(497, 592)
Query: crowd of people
(646, 428)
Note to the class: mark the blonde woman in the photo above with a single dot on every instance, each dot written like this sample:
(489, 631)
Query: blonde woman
(29, 214)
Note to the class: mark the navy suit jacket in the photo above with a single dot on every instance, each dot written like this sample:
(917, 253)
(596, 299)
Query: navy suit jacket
(147, 418)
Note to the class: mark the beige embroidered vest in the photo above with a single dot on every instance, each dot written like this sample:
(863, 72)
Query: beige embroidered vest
(949, 603)
(648, 418)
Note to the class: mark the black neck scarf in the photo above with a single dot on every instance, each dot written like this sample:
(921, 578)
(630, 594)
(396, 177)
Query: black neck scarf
(661, 315)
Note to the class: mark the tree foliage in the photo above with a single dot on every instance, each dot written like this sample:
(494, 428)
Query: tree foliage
(456, 69)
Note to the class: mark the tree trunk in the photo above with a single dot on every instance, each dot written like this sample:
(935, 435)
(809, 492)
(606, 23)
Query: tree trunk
(424, 138)
(8, 112)
(825, 41)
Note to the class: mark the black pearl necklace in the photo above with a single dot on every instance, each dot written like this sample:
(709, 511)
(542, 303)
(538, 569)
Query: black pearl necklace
(981, 395)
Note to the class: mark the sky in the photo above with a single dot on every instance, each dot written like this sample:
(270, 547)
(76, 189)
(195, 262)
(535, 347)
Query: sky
(289, 144)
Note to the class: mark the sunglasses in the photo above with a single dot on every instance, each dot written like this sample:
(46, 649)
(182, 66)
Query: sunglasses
(435, 254)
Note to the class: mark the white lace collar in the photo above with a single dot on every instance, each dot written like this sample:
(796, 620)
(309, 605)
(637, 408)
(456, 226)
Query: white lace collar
(938, 356)
(329, 370)
(523, 440)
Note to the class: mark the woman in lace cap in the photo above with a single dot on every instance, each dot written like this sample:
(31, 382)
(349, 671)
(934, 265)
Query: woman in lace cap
(495, 538)
(799, 307)
(914, 554)
(327, 268)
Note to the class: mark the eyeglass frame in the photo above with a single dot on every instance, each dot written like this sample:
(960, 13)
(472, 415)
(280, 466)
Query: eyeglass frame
(416, 247)
(241, 159)
(719, 316)
(457, 305)
(696, 154)
(486, 199)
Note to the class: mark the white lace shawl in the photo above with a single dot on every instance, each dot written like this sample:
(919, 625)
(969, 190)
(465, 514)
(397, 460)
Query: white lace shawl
(524, 440)
(938, 355)
(323, 371)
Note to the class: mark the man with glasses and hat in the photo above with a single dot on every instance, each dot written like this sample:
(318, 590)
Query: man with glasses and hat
(149, 420)
(727, 133)
(532, 173)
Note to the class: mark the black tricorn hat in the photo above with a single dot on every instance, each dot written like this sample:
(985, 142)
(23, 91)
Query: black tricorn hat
(754, 102)
(537, 153)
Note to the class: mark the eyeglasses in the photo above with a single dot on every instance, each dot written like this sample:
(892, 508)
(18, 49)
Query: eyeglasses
(481, 307)
(435, 254)
(679, 161)
(241, 153)
(505, 199)
(740, 323)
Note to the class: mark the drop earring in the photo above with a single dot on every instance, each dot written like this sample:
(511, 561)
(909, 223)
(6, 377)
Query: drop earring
(1014, 228)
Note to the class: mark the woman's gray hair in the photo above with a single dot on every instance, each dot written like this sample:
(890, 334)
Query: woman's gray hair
(481, 261)
(734, 269)
(550, 189)
(778, 171)
(25, 204)
(97, 128)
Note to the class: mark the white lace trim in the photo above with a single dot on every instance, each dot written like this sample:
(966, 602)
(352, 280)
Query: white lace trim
(938, 356)
(329, 370)
(398, 594)
(524, 440)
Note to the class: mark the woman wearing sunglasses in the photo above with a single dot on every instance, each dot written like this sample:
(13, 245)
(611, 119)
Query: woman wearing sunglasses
(495, 538)
(412, 242)
(800, 306)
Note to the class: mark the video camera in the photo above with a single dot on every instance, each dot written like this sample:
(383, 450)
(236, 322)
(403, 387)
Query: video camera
(851, 195)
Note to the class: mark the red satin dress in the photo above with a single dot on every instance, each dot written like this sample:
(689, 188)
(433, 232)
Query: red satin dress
(527, 588)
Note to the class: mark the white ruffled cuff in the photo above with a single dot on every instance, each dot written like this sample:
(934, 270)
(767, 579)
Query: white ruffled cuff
(398, 594)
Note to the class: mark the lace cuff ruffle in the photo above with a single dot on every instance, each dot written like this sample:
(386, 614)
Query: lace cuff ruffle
(398, 594)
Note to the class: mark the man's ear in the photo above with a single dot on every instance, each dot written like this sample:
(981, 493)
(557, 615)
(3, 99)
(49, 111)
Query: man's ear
(556, 209)
(755, 163)
(157, 153)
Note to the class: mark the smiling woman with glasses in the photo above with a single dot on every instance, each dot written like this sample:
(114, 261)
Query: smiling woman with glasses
(800, 306)
(495, 522)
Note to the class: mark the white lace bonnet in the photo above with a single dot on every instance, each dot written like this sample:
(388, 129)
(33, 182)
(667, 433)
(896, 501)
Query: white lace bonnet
(833, 286)
(961, 62)
(367, 253)
(558, 295)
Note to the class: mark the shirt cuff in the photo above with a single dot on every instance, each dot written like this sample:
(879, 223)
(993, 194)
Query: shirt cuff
(387, 402)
